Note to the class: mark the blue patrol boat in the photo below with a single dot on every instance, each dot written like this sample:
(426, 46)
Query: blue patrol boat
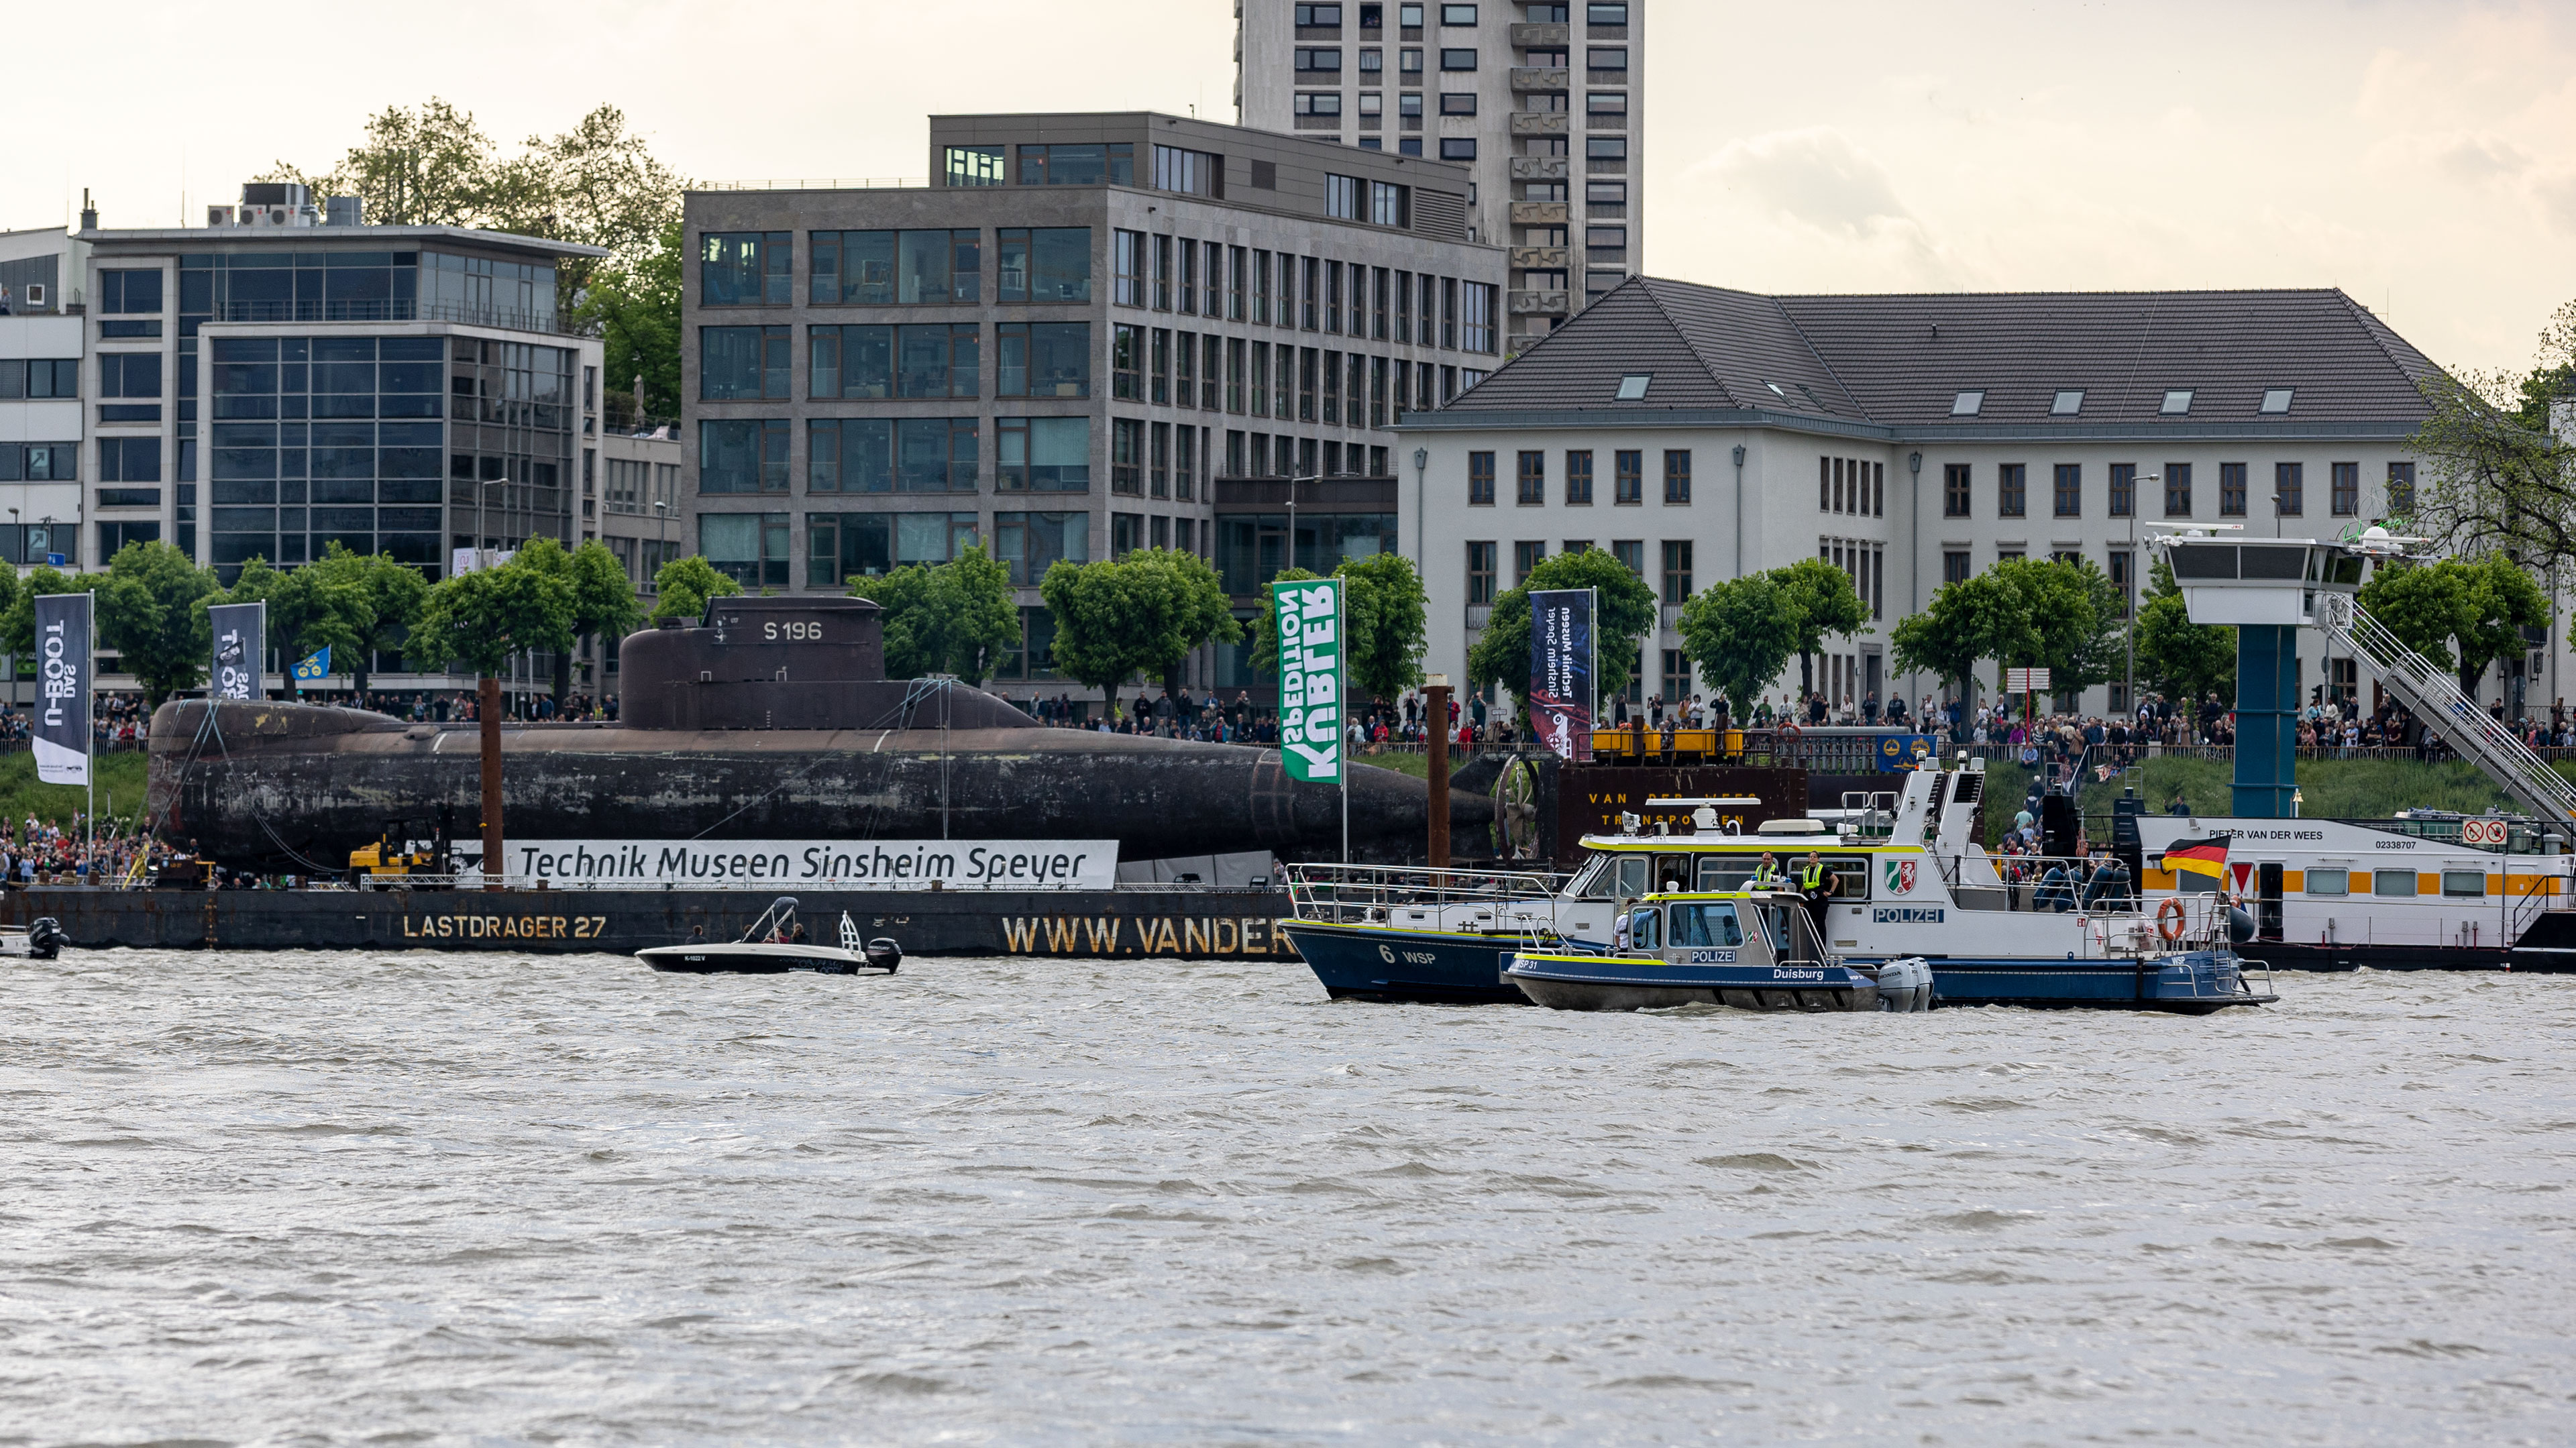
(1438, 937)
(1752, 950)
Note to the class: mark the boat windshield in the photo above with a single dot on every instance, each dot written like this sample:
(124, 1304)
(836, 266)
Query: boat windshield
(1727, 872)
(1613, 877)
(1706, 922)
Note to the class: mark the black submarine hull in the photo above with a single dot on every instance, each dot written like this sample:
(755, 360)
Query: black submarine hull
(296, 787)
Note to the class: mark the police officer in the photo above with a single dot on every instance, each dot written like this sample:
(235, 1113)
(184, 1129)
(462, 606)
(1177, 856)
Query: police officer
(1816, 886)
(1767, 876)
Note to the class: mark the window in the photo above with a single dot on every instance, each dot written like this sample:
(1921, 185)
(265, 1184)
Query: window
(40, 377)
(938, 360)
(1126, 363)
(39, 462)
(2124, 490)
(1533, 479)
(1480, 477)
(1126, 457)
(1461, 58)
(1476, 330)
(1127, 265)
(1457, 14)
(1032, 543)
(2231, 490)
(2068, 498)
(1390, 205)
(1605, 193)
(1954, 490)
(2177, 490)
(2011, 496)
(1162, 383)
(2329, 882)
(743, 363)
(1677, 571)
(2276, 400)
(1318, 103)
(2289, 489)
(1457, 103)
(742, 455)
(1042, 455)
(1967, 404)
(1199, 173)
(1599, 14)
(751, 548)
(1605, 103)
(849, 455)
(129, 292)
(1328, 16)
(1310, 295)
(129, 460)
(1954, 567)
(1457, 148)
(904, 268)
(1090, 165)
(1603, 150)
(934, 455)
(976, 166)
(1480, 573)
(744, 268)
(1677, 476)
(1629, 477)
(1042, 359)
(1126, 533)
(1325, 59)
(1526, 557)
(1578, 478)
(1409, 61)
(1342, 197)
(1632, 388)
(137, 374)
(2067, 403)
(1045, 264)
(2400, 883)
(2177, 402)
(1372, 71)
(2346, 501)
(848, 362)
(2401, 489)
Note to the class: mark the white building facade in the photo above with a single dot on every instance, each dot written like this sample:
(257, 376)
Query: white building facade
(1701, 434)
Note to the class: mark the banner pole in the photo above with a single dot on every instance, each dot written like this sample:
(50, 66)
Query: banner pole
(1342, 663)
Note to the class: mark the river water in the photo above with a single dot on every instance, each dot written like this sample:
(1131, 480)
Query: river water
(326, 1198)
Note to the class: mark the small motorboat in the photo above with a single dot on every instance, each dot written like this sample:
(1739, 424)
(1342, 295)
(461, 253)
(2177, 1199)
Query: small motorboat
(775, 945)
(1753, 950)
(42, 939)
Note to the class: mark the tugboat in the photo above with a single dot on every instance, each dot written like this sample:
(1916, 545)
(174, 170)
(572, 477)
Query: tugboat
(775, 945)
(1754, 950)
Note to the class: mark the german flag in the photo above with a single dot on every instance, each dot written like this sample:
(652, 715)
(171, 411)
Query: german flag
(2202, 864)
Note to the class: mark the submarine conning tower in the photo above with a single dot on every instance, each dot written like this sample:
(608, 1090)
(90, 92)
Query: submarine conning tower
(787, 663)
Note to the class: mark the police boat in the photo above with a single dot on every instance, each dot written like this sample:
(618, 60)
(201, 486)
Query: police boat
(774, 945)
(1755, 950)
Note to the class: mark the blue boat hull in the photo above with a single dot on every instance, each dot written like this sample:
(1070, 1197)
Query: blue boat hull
(2193, 984)
(1358, 962)
(1602, 983)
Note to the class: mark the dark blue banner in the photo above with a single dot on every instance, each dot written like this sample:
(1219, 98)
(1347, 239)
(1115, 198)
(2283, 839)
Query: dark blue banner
(1561, 671)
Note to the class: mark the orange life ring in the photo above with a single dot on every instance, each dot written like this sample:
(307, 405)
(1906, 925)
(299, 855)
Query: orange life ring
(1789, 731)
(2169, 920)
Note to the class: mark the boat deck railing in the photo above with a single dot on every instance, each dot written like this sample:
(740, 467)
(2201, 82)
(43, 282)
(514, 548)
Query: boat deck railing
(1980, 881)
(1447, 899)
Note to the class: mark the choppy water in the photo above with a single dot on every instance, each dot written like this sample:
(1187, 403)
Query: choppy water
(327, 1198)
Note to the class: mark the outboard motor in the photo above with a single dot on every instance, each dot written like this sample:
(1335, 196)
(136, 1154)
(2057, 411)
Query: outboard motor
(1905, 986)
(46, 938)
(884, 954)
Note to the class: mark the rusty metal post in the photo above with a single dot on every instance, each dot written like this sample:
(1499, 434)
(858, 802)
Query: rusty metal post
(1435, 714)
(488, 708)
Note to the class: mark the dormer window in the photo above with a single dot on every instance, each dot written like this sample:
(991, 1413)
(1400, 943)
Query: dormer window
(2177, 403)
(2276, 401)
(1632, 388)
(1967, 404)
(2068, 402)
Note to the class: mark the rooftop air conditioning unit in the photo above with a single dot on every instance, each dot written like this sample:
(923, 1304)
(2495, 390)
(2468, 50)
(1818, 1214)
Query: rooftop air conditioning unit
(219, 216)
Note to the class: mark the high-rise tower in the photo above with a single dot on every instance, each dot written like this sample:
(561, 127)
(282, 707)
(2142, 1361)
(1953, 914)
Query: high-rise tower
(1544, 102)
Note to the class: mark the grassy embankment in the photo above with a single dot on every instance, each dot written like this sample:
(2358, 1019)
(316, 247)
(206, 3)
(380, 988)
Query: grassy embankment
(2330, 788)
(120, 789)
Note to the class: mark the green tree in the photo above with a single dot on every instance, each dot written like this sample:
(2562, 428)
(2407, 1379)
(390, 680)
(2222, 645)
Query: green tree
(2182, 660)
(396, 592)
(603, 601)
(1388, 623)
(485, 618)
(324, 605)
(2065, 618)
(1740, 634)
(18, 625)
(635, 307)
(151, 610)
(1953, 633)
(957, 617)
(1143, 613)
(2493, 473)
(2460, 615)
(682, 587)
(425, 165)
(1624, 612)
(1822, 601)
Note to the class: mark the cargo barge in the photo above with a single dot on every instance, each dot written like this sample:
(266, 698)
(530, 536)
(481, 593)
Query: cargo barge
(1171, 923)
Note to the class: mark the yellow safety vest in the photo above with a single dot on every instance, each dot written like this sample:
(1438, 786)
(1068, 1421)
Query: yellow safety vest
(1811, 877)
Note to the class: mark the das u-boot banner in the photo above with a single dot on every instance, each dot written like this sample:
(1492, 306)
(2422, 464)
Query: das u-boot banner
(241, 649)
(61, 733)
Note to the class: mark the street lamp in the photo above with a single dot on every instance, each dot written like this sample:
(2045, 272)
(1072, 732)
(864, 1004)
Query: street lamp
(2129, 595)
(1421, 512)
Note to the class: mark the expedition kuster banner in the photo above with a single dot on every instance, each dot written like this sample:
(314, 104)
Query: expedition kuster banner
(1561, 671)
(61, 734)
(241, 649)
(1310, 677)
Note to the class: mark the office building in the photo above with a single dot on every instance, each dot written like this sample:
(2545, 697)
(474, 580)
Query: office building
(1544, 104)
(1060, 344)
(1700, 434)
(41, 302)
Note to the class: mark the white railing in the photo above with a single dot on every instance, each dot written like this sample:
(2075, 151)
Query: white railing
(1417, 897)
(2437, 702)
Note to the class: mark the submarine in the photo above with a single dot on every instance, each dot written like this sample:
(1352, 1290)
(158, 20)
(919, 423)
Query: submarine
(768, 718)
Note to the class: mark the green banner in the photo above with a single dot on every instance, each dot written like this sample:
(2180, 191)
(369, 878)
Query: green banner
(1310, 677)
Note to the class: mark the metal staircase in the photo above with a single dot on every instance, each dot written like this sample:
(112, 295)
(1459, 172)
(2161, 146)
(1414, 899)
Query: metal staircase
(2437, 702)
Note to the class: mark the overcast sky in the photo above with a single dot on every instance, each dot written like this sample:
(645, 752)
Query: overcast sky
(2421, 154)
